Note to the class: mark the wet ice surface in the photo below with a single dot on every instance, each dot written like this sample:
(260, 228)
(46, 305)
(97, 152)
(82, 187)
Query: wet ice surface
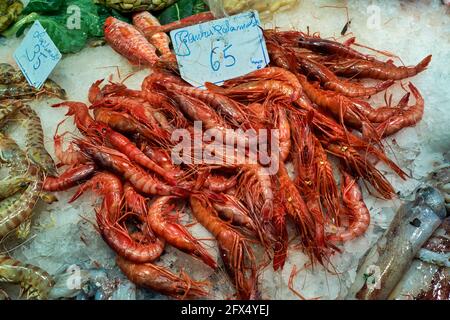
(63, 234)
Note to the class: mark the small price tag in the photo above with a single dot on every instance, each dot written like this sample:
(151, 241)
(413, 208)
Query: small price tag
(220, 50)
(37, 55)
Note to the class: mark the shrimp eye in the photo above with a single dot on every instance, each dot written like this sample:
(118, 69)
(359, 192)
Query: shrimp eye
(103, 130)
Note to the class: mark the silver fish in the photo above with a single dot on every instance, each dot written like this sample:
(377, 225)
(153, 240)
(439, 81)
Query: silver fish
(389, 259)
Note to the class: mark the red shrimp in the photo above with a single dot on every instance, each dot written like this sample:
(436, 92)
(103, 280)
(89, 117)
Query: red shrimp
(312, 199)
(404, 118)
(307, 54)
(332, 131)
(232, 210)
(270, 73)
(331, 82)
(129, 42)
(217, 183)
(353, 200)
(299, 39)
(175, 234)
(95, 93)
(256, 186)
(142, 181)
(296, 208)
(236, 255)
(280, 247)
(358, 164)
(123, 123)
(254, 90)
(110, 187)
(197, 110)
(110, 90)
(167, 106)
(138, 104)
(255, 189)
(326, 184)
(284, 133)
(70, 178)
(124, 245)
(377, 70)
(340, 106)
(139, 109)
(305, 164)
(161, 77)
(329, 47)
(80, 111)
(380, 114)
(161, 157)
(134, 201)
(227, 107)
(286, 38)
(137, 203)
(279, 57)
(304, 153)
(68, 156)
(161, 280)
(125, 146)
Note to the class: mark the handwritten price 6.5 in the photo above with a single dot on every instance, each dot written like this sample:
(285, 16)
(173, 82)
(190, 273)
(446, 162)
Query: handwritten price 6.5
(218, 55)
(220, 50)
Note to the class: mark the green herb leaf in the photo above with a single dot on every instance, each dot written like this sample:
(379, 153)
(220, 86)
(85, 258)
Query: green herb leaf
(92, 18)
(67, 41)
(43, 6)
(182, 9)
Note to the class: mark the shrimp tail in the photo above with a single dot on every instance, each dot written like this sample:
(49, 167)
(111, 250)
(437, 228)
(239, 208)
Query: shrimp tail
(422, 65)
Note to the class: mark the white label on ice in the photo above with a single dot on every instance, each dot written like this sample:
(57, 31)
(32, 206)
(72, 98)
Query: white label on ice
(37, 55)
(220, 50)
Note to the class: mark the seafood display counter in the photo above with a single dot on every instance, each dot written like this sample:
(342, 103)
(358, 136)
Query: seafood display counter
(353, 202)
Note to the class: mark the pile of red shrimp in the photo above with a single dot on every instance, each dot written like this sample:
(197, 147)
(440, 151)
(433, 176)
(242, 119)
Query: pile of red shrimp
(309, 94)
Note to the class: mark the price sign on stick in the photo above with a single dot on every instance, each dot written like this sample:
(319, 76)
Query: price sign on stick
(220, 50)
(37, 55)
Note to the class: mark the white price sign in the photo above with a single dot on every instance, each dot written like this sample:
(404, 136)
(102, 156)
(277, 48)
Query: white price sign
(220, 50)
(37, 55)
